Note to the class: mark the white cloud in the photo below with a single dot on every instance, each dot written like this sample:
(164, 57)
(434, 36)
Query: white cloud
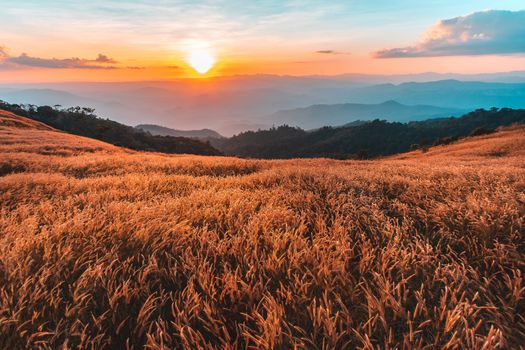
(480, 33)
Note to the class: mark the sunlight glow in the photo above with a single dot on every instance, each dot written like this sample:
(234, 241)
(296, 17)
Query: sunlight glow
(201, 60)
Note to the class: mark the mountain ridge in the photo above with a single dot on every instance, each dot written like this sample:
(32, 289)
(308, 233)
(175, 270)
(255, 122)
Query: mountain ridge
(320, 115)
(233, 105)
(202, 134)
(365, 139)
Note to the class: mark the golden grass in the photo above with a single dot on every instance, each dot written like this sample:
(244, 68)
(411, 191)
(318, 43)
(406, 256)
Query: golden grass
(8, 119)
(104, 248)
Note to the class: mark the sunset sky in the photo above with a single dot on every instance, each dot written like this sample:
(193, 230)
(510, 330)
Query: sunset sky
(56, 40)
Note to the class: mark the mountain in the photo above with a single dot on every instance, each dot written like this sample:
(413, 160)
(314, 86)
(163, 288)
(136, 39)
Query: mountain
(317, 116)
(447, 93)
(203, 134)
(501, 77)
(45, 96)
(82, 121)
(365, 140)
(231, 105)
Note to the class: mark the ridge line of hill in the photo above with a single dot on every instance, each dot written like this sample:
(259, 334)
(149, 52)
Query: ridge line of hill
(83, 122)
(482, 143)
(377, 138)
(367, 139)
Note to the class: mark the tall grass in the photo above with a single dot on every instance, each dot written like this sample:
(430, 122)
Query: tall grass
(102, 248)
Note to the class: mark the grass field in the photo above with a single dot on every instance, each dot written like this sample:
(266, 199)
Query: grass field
(105, 248)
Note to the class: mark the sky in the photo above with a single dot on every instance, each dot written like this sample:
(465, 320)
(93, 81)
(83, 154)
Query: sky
(110, 40)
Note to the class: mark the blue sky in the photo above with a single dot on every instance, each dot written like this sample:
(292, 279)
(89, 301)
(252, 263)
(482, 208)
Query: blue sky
(358, 21)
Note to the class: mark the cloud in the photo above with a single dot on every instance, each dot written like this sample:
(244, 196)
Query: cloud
(479, 33)
(3, 52)
(104, 59)
(4, 65)
(332, 52)
(101, 62)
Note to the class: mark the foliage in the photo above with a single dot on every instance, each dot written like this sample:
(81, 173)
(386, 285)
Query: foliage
(376, 138)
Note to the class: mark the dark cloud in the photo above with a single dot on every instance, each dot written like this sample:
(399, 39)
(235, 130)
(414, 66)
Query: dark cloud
(104, 59)
(101, 62)
(480, 33)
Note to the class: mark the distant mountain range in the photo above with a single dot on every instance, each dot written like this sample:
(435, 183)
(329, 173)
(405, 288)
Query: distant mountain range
(45, 96)
(499, 77)
(203, 134)
(234, 104)
(317, 116)
(446, 93)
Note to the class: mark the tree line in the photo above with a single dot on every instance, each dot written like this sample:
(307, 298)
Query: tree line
(84, 122)
(367, 139)
(358, 140)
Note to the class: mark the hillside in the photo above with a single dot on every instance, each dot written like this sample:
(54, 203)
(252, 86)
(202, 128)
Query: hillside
(508, 142)
(106, 248)
(203, 134)
(83, 122)
(317, 116)
(11, 120)
(364, 140)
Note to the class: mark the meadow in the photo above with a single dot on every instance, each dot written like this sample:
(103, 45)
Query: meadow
(107, 248)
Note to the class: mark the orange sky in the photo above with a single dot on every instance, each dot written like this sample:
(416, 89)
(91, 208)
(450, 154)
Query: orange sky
(42, 43)
(309, 65)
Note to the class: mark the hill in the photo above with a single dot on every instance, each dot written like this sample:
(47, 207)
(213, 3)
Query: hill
(317, 116)
(83, 121)
(8, 119)
(203, 134)
(364, 140)
(106, 248)
(506, 142)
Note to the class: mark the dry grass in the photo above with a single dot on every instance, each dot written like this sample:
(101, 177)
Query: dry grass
(102, 248)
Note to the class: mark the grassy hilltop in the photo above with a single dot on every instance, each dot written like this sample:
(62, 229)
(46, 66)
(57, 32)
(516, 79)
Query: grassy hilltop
(107, 248)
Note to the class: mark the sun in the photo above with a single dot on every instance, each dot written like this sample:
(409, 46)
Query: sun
(201, 60)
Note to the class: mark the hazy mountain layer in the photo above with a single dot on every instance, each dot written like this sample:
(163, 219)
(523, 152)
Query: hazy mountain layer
(230, 105)
(202, 134)
(317, 116)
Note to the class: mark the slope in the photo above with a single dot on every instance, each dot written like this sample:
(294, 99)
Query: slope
(83, 121)
(106, 248)
(506, 142)
(8, 119)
